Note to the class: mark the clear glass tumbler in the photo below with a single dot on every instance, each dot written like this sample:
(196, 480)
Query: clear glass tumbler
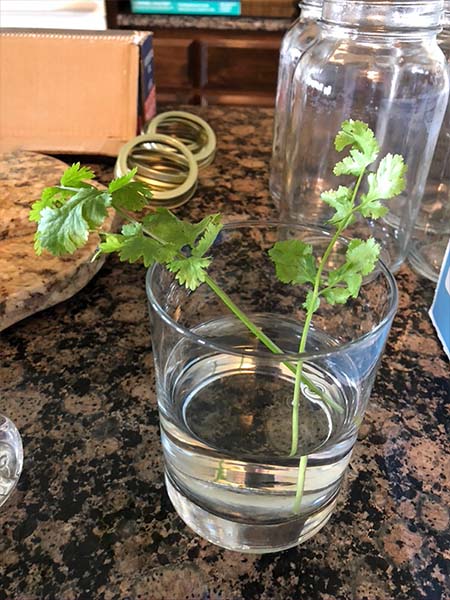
(377, 61)
(299, 36)
(225, 401)
(431, 232)
(11, 458)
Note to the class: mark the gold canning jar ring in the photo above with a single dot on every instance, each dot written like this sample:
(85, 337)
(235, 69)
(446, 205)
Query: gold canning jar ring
(164, 164)
(190, 129)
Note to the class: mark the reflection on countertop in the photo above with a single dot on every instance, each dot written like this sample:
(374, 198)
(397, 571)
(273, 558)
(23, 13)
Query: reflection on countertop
(91, 518)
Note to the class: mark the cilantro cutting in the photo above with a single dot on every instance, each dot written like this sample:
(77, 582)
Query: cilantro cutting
(295, 264)
(67, 214)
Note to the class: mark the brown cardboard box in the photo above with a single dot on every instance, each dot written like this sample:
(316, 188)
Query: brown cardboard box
(74, 92)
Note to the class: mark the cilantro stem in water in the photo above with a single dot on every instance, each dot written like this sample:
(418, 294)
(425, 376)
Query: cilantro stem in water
(294, 259)
(303, 463)
(310, 311)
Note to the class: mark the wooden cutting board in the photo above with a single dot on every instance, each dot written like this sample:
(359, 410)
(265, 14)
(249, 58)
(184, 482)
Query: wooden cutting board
(30, 283)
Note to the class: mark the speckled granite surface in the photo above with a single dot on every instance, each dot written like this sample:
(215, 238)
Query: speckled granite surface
(91, 519)
(29, 283)
(193, 22)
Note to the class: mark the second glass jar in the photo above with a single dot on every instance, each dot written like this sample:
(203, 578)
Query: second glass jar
(297, 39)
(371, 62)
(431, 232)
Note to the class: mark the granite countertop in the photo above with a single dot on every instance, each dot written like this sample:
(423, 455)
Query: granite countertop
(91, 519)
(142, 21)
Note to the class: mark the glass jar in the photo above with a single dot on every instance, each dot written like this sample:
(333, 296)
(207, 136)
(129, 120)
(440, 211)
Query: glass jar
(371, 62)
(299, 37)
(11, 458)
(431, 232)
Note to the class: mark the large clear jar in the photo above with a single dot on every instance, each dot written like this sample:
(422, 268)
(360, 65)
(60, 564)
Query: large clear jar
(297, 39)
(431, 232)
(379, 62)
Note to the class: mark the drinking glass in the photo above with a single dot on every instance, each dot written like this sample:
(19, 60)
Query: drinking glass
(225, 401)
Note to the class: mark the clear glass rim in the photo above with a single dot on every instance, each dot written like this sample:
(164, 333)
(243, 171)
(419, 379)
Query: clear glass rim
(384, 15)
(310, 3)
(267, 355)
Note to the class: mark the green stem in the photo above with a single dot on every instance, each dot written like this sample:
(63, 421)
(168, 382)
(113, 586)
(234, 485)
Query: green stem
(257, 332)
(65, 188)
(302, 345)
(300, 483)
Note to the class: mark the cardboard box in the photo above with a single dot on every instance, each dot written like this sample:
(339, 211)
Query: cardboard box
(74, 92)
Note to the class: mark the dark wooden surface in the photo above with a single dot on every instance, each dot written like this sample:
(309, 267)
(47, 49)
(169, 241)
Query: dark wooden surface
(201, 67)
(207, 64)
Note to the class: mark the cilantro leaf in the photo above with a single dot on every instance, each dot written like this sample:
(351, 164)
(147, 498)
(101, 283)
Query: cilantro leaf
(337, 295)
(190, 271)
(364, 148)
(353, 164)
(362, 255)
(95, 204)
(311, 305)
(50, 197)
(61, 230)
(294, 262)
(341, 201)
(388, 181)
(133, 245)
(353, 281)
(132, 195)
(358, 134)
(112, 242)
(345, 282)
(130, 229)
(120, 182)
(75, 175)
(165, 225)
(64, 229)
(212, 227)
(140, 246)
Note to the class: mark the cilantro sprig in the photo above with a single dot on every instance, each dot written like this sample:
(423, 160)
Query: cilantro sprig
(294, 260)
(67, 214)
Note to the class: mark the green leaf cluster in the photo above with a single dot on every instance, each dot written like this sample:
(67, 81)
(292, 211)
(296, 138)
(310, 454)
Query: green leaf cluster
(345, 282)
(163, 238)
(388, 181)
(68, 213)
(294, 260)
(364, 148)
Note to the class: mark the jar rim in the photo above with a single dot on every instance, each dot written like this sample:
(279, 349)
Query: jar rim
(291, 356)
(315, 3)
(385, 15)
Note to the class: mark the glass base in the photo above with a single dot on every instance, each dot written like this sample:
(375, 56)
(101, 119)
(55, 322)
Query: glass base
(251, 538)
(425, 261)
